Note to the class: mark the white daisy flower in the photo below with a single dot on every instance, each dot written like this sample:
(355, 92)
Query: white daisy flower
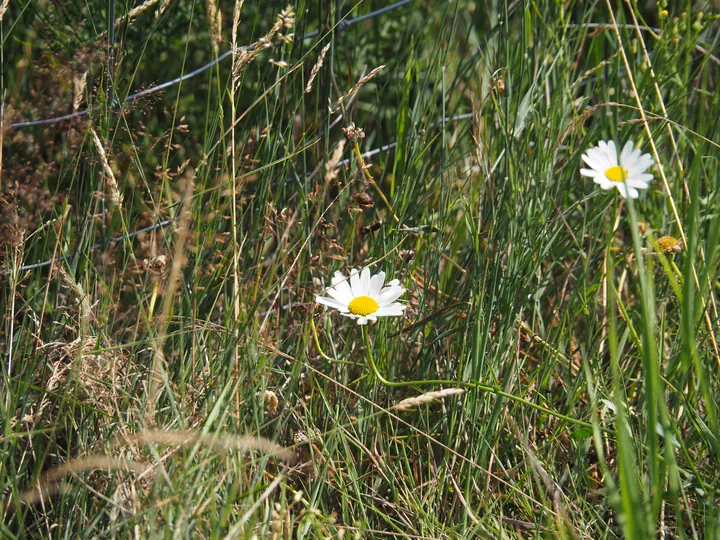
(627, 173)
(363, 297)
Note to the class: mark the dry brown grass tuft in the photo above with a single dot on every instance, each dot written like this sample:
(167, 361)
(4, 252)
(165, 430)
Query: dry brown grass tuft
(88, 369)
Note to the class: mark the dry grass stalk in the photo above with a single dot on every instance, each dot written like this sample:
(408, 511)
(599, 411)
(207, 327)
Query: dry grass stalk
(133, 13)
(48, 485)
(331, 167)
(158, 369)
(414, 402)
(354, 90)
(87, 316)
(3, 8)
(112, 184)
(219, 442)
(215, 19)
(243, 56)
(316, 68)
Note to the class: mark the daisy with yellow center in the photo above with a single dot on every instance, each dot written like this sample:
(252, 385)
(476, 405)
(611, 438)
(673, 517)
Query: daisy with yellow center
(625, 172)
(363, 296)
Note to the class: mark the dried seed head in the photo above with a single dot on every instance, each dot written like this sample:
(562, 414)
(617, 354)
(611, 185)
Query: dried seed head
(670, 244)
(363, 200)
(3, 8)
(354, 90)
(316, 68)
(271, 401)
(414, 402)
(80, 84)
(215, 19)
(353, 134)
(112, 184)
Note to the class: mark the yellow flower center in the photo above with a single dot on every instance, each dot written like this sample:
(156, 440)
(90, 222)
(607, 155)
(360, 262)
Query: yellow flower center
(668, 244)
(363, 306)
(616, 174)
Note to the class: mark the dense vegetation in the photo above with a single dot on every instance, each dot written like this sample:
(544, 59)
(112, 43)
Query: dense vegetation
(168, 372)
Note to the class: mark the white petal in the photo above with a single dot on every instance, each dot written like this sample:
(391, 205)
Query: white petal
(393, 283)
(338, 277)
(595, 159)
(393, 310)
(389, 295)
(355, 282)
(331, 302)
(626, 153)
(340, 283)
(621, 188)
(362, 321)
(647, 177)
(603, 157)
(642, 164)
(633, 192)
(603, 182)
(592, 173)
(376, 284)
(592, 163)
(365, 281)
(342, 296)
(611, 153)
(634, 183)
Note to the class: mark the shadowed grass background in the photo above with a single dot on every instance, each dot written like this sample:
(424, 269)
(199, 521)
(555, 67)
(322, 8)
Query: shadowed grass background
(522, 277)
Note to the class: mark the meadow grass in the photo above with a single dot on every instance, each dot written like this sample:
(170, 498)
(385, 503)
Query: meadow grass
(556, 370)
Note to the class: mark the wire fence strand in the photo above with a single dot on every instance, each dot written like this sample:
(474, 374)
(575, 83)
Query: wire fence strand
(342, 25)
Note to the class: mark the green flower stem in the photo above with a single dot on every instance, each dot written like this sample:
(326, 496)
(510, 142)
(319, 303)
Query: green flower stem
(469, 384)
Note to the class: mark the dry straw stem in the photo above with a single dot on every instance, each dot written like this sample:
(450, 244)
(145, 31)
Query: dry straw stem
(509, 485)
(671, 134)
(219, 442)
(331, 168)
(562, 517)
(112, 184)
(354, 89)
(412, 403)
(656, 155)
(47, 484)
(158, 368)
(316, 68)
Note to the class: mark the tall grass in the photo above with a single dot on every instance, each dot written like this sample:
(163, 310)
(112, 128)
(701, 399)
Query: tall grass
(182, 382)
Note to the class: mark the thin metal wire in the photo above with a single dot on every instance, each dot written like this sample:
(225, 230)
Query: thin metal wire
(343, 25)
(167, 222)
